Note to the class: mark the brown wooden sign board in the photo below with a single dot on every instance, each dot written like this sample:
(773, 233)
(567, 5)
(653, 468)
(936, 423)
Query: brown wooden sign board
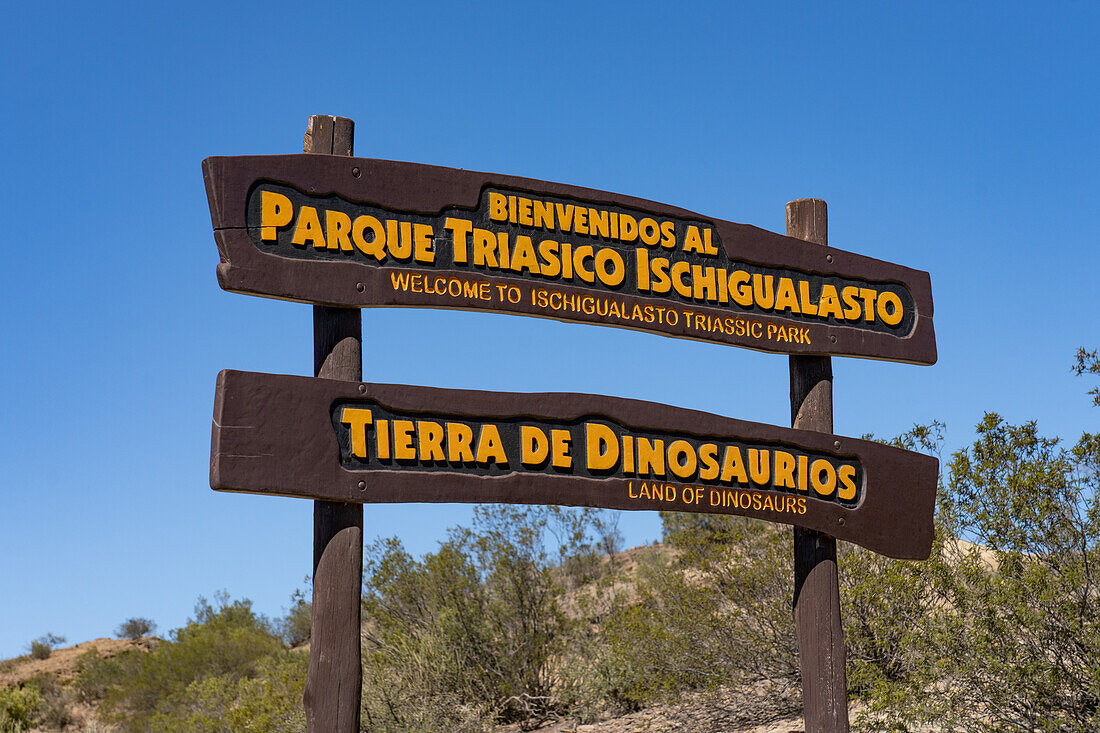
(354, 442)
(357, 232)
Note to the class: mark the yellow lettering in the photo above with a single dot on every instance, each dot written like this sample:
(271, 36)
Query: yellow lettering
(308, 229)
(490, 447)
(337, 229)
(733, 466)
(759, 466)
(403, 449)
(682, 460)
(460, 228)
(847, 473)
(740, 290)
(679, 270)
(498, 206)
(824, 486)
(543, 215)
(784, 469)
(651, 457)
(708, 456)
(523, 212)
(601, 447)
(889, 308)
(422, 244)
(559, 449)
(460, 443)
(534, 446)
(548, 251)
(376, 246)
(830, 302)
(524, 256)
(668, 234)
(649, 231)
(693, 242)
(357, 420)
(276, 211)
(382, 439)
(580, 254)
(430, 437)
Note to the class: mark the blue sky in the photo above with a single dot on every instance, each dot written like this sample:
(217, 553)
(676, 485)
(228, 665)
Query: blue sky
(957, 138)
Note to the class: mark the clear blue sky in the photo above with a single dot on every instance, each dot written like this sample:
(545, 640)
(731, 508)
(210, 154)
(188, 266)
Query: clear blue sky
(957, 138)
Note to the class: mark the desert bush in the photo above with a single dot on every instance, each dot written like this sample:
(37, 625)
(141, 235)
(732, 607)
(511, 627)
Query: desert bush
(1000, 629)
(57, 710)
(135, 628)
(227, 640)
(268, 702)
(43, 646)
(471, 633)
(1027, 603)
(92, 677)
(296, 625)
(717, 614)
(19, 708)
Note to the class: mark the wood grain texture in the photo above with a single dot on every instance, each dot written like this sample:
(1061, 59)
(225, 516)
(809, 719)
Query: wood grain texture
(334, 680)
(818, 623)
(275, 434)
(426, 190)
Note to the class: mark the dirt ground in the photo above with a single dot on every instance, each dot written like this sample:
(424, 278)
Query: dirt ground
(62, 662)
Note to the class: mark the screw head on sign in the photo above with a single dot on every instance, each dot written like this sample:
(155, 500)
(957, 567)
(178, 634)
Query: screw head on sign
(836, 444)
(356, 172)
(840, 521)
(362, 485)
(832, 339)
(362, 389)
(828, 258)
(360, 287)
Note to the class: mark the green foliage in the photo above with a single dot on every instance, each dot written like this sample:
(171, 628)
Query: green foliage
(19, 708)
(295, 626)
(471, 633)
(718, 614)
(269, 702)
(226, 641)
(1000, 629)
(1030, 603)
(57, 701)
(43, 646)
(135, 628)
(1088, 362)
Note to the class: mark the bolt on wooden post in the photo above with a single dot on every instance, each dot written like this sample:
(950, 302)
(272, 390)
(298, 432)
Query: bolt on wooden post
(334, 680)
(817, 620)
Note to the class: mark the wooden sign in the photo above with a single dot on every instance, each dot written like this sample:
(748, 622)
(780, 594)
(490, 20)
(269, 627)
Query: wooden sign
(353, 442)
(357, 232)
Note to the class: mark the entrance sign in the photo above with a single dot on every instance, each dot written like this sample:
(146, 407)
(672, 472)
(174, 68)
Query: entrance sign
(353, 442)
(357, 232)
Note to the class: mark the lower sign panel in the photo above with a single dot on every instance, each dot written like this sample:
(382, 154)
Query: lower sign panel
(353, 442)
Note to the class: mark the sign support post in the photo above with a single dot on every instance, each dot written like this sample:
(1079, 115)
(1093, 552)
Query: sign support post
(334, 680)
(817, 619)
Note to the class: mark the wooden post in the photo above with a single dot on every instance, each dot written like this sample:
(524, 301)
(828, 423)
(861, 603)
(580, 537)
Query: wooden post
(817, 620)
(335, 678)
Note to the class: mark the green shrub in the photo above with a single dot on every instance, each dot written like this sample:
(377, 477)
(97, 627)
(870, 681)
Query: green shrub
(136, 687)
(18, 708)
(268, 702)
(135, 628)
(295, 627)
(1000, 629)
(43, 646)
(717, 614)
(471, 633)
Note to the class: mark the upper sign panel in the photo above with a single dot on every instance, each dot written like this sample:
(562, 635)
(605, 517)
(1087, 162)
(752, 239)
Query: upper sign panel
(359, 232)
